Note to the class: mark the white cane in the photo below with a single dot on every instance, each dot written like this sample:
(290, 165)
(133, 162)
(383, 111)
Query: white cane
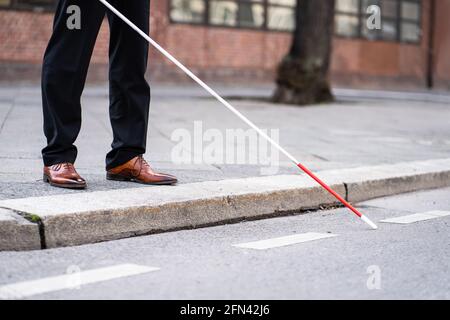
(236, 112)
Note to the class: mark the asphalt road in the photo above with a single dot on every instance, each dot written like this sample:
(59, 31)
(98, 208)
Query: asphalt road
(398, 261)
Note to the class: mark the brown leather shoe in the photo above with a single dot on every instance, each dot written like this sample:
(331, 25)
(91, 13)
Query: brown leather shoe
(64, 175)
(138, 170)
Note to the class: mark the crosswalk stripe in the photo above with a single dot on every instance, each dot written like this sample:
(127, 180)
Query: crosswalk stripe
(284, 241)
(25, 289)
(412, 218)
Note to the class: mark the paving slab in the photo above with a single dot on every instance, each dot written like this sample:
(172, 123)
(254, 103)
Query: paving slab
(362, 128)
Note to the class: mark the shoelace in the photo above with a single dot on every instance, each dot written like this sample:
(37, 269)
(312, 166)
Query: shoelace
(68, 166)
(142, 163)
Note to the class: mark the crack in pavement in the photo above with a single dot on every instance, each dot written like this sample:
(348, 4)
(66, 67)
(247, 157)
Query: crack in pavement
(7, 116)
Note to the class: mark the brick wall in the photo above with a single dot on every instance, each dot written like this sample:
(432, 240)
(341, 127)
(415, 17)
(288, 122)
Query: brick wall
(233, 54)
(442, 45)
(23, 38)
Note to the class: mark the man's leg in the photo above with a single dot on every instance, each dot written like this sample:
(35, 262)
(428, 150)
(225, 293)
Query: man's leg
(64, 72)
(130, 97)
(129, 91)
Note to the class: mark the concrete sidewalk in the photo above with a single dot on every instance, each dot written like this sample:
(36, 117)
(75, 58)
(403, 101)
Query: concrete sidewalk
(358, 130)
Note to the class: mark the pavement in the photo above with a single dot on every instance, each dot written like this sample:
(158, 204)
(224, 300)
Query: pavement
(397, 261)
(362, 133)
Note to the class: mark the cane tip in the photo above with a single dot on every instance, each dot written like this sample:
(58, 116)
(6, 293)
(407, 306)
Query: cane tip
(369, 222)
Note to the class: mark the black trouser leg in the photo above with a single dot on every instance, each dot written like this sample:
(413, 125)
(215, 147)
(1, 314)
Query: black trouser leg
(129, 91)
(64, 72)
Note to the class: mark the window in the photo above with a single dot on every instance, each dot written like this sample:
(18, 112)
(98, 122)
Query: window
(36, 5)
(188, 11)
(401, 20)
(255, 14)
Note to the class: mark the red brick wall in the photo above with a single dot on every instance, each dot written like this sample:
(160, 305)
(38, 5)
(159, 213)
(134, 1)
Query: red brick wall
(23, 39)
(24, 36)
(442, 45)
(225, 54)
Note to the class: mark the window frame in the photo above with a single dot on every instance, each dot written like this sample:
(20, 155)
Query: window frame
(398, 20)
(206, 17)
(16, 6)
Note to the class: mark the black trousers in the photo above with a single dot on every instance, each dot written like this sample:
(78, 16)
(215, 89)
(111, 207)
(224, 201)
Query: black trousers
(64, 72)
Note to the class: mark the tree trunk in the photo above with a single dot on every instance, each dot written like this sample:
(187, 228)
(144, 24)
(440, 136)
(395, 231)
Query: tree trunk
(303, 75)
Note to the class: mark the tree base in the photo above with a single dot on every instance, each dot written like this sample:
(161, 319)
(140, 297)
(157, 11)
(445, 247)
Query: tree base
(286, 95)
(302, 82)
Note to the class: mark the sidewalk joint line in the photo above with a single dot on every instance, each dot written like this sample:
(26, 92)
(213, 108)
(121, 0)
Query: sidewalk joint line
(7, 116)
(41, 227)
(346, 191)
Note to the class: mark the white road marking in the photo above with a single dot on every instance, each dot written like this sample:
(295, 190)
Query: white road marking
(417, 217)
(439, 214)
(284, 241)
(25, 289)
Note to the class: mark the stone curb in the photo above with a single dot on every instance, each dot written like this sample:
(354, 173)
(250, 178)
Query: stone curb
(17, 233)
(107, 215)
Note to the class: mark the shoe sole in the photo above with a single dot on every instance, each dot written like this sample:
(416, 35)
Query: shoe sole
(64, 186)
(116, 177)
